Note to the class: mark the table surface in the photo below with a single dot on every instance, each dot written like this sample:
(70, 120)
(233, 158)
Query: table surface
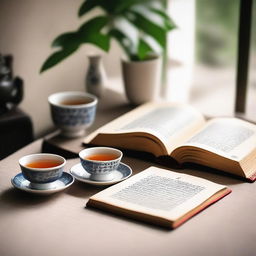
(60, 224)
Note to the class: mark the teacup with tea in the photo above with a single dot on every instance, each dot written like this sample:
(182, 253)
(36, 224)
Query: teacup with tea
(73, 111)
(42, 169)
(100, 162)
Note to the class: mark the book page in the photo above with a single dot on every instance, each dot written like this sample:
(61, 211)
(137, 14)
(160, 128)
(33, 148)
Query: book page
(230, 137)
(170, 122)
(160, 192)
(164, 122)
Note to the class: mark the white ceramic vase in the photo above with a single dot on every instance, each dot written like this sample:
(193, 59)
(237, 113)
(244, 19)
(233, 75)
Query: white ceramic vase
(142, 80)
(95, 76)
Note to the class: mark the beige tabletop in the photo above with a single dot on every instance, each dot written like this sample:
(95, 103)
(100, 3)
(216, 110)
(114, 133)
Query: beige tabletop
(60, 224)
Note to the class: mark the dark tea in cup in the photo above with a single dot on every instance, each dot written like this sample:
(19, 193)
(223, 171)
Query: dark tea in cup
(74, 102)
(43, 164)
(101, 157)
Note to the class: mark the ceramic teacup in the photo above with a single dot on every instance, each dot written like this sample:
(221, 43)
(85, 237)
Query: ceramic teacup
(100, 162)
(42, 169)
(73, 111)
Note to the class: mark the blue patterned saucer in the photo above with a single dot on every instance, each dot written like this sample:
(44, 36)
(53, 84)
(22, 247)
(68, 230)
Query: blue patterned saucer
(62, 183)
(122, 172)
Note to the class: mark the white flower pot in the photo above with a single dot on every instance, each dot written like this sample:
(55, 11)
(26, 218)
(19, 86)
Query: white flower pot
(142, 80)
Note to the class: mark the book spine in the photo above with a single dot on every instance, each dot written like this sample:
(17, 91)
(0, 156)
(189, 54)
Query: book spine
(252, 177)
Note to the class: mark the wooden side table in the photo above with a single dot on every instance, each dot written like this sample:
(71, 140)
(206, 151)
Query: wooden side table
(16, 131)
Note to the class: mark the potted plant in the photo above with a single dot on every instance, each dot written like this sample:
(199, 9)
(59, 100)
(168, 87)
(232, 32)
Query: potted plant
(139, 26)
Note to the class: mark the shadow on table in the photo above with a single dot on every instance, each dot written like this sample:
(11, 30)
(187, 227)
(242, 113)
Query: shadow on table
(14, 197)
(130, 220)
(83, 190)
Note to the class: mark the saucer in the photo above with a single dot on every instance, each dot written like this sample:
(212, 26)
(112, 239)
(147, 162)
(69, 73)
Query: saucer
(62, 183)
(122, 172)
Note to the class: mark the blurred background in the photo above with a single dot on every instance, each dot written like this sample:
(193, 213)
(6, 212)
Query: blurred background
(202, 54)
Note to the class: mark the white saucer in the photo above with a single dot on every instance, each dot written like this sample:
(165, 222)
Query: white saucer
(62, 183)
(122, 172)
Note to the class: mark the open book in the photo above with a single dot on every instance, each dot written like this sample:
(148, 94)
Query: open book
(159, 196)
(181, 132)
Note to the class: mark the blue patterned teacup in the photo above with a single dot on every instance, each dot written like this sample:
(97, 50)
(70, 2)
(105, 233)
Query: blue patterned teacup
(100, 162)
(73, 112)
(42, 169)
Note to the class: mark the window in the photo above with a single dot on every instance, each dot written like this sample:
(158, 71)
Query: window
(203, 55)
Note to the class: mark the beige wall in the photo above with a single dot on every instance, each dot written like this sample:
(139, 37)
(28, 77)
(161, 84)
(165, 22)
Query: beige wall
(27, 28)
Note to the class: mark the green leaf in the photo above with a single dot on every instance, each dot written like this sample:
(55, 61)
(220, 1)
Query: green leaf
(87, 6)
(89, 32)
(148, 27)
(146, 12)
(94, 25)
(144, 49)
(123, 40)
(66, 39)
(125, 5)
(56, 58)
(169, 23)
(100, 40)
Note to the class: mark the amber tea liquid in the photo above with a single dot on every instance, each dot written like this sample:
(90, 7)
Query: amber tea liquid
(75, 102)
(101, 157)
(43, 164)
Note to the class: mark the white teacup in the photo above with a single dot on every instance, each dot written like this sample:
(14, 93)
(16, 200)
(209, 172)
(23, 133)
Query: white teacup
(73, 111)
(100, 162)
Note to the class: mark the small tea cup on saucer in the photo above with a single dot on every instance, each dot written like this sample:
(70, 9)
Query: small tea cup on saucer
(42, 169)
(100, 162)
(73, 111)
